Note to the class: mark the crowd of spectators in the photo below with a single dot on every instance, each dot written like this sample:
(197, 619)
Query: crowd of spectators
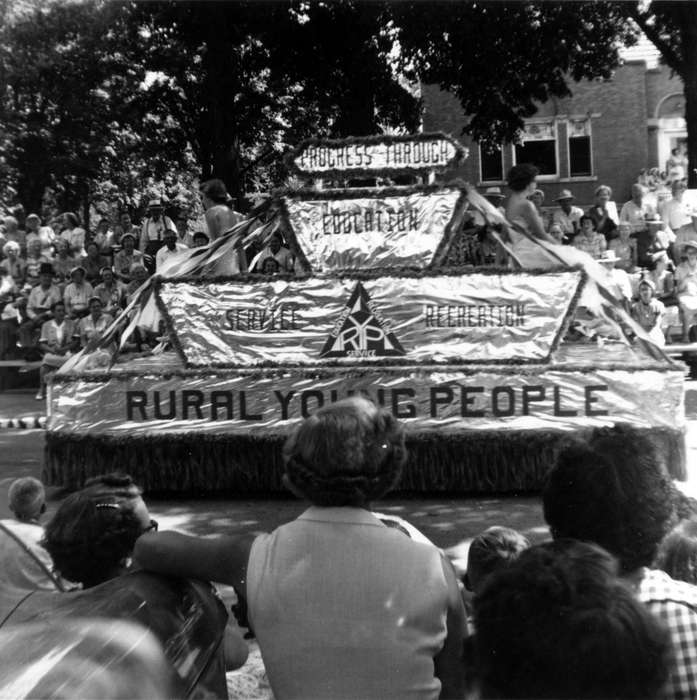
(603, 606)
(61, 284)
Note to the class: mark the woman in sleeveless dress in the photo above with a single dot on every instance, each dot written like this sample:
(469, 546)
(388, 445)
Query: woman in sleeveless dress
(522, 212)
(220, 217)
(342, 605)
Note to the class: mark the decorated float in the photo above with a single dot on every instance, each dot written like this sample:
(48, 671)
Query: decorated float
(488, 368)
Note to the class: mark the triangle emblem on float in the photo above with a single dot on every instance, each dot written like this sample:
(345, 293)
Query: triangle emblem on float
(360, 332)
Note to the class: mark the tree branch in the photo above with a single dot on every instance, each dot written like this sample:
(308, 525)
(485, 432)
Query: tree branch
(671, 57)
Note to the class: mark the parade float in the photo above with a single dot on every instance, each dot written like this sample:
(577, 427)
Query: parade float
(490, 369)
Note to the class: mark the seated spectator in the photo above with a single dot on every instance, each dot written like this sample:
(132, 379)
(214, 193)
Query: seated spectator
(612, 489)
(63, 263)
(171, 250)
(125, 226)
(648, 312)
(686, 288)
(270, 266)
(92, 263)
(625, 248)
(538, 199)
(92, 534)
(567, 216)
(35, 259)
(301, 579)
(558, 623)
(618, 280)
(57, 342)
(103, 237)
(200, 239)
(44, 233)
(679, 215)
(555, 231)
(111, 292)
(77, 294)
(41, 299)
(126, 258)
(588, 239)
(15, 234)
(677, 553)
(74, 234)
(13, 265)
(491, 551)
(275, 249)
(599, 213)
(8, 315)
(636, 210)
(91, 328)
(25, 563)
(139, 275)
(651, 242)
(183, 234)
(662, 277)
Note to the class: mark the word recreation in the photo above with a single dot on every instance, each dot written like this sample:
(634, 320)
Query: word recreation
(405, 154)
(442, 401)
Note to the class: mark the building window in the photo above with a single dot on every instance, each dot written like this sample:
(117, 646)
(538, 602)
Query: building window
(580, 162)
(539, 147)
(491, 163)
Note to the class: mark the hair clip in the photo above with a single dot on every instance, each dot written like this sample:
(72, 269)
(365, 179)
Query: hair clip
(107, 505)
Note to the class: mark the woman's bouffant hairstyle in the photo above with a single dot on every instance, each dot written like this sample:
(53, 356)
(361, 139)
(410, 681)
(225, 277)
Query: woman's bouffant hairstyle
(71, 218)
(216, 191)
(520, 176)
(346, 454)
(94, 530)
(677, 553)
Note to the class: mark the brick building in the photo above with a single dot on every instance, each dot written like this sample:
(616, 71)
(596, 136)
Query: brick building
(604, 134)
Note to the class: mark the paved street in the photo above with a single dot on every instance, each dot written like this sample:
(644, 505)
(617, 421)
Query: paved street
(450, 523)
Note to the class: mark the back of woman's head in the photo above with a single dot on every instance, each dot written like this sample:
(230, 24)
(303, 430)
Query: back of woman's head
(520, 176)
(677, 553)
(346, 454)
(215, 190)
(94, 530)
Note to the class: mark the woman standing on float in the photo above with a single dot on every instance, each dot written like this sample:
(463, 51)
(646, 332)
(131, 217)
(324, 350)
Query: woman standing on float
(220, 218)
(521, 212)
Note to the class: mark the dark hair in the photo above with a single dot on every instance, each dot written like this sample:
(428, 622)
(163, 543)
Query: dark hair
(72, 218)
(346, 454)
(490, 550)
(677, 553)
(215, 190)
(557, 623)
(611, 489)
(59, 302)
(94, 530)
(520, 176)
(585, 217)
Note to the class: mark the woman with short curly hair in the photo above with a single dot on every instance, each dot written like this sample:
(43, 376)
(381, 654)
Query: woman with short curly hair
(92, 535)
(342, 605)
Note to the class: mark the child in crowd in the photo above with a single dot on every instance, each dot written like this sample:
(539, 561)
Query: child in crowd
(677, 553)
(686, 282)
(624, 248)
(648, 312)
(25, 563)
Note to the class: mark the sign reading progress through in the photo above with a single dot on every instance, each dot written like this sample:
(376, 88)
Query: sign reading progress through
(376, 155)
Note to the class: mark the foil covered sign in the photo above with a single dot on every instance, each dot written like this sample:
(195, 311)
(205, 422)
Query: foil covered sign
(363, 229)
(376, 155)
(271, 402)
(400, 319)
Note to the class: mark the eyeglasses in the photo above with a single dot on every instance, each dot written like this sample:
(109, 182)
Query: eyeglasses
(152, 527)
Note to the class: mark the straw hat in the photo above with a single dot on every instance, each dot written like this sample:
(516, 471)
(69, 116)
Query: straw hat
(494, 193)
(564, 194)
(689, 244)
(608, 256)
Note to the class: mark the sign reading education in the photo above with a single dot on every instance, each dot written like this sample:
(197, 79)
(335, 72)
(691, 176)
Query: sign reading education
(352, 320)
(376, 228)
(272, 402)
(376, 155)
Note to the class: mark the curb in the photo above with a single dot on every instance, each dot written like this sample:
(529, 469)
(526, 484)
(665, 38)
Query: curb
(24, 423)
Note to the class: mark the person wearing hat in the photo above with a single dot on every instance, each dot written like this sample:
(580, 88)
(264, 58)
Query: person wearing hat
(566, 215)
(170, 250)
(686, 288)
(41, 298)
(77, 294)
(588, 239)
(153, 228)
(648, 312)
(92, 327)
(652, 240)
(618, 279)
(126, 258)
(495, 196)
(110, 291)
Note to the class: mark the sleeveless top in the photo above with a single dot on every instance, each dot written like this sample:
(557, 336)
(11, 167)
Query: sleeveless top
(345, 607)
